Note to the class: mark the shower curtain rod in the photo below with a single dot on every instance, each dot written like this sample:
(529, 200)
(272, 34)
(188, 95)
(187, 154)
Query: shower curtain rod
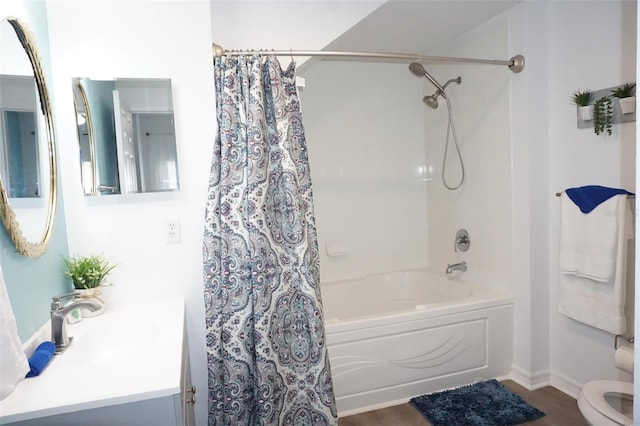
(515, 64)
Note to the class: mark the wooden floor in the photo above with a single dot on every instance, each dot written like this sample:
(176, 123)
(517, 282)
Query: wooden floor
(561, 410)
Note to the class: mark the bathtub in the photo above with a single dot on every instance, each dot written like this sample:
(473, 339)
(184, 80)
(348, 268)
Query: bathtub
(401, 334)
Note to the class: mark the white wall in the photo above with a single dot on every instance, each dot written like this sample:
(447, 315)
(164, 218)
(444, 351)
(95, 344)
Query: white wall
(551, 154)
(596, 60)
(158, 39)
(285, 24)
(531, 195)
(364, 127)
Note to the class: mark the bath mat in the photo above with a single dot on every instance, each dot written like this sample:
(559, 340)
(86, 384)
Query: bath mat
(487, 403)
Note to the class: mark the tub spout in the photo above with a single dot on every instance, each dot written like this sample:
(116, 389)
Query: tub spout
(462, 266)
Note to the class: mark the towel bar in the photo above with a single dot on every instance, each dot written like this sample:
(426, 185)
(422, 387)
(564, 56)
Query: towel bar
(560, 193)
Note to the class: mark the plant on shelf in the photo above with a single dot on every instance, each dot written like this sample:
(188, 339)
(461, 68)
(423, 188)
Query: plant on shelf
(626, 97)
(583, 99)
(624, 91)
(87, 272)
(602, 115)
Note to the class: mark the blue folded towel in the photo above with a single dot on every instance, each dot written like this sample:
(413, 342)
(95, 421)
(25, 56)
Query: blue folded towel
(40, 358)
(589, 197)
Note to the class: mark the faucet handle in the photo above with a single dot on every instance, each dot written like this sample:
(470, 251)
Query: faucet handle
(56, 301)
(462, 240)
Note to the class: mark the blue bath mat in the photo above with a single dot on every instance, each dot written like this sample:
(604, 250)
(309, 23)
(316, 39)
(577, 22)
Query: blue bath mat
(487, 403)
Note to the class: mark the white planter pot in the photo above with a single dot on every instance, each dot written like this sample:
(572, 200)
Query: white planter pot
(628, 105)
(586, 112)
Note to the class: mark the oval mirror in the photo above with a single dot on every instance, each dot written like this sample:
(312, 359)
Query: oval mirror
(28, 174)
(126, 135)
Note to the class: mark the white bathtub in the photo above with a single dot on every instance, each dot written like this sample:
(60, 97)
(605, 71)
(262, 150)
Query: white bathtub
(401, 334)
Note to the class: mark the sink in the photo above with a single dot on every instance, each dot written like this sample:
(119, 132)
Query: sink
(101, 343)
(127, 354)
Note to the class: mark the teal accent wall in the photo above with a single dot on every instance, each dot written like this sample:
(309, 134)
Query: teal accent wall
(32, 282)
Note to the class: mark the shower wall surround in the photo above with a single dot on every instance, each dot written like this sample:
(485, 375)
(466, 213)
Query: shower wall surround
(365, 133)
(481, 110)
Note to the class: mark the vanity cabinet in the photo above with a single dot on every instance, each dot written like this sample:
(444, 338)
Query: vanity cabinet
(148, 383)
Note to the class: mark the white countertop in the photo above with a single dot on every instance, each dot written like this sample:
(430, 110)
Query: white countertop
(125, 355)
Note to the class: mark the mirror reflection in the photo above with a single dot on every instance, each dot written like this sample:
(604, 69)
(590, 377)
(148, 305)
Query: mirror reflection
(19, 157)
(126, 135)
(27, 146)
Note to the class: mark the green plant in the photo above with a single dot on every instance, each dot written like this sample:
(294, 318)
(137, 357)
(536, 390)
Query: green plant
(625, 91)
(87, 271)
(602, 115)
(582, 98)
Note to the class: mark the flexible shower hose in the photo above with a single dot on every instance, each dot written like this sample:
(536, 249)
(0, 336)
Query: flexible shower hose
(451, 128)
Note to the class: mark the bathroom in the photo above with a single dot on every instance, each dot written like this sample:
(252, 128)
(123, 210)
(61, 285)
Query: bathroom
(537, 152)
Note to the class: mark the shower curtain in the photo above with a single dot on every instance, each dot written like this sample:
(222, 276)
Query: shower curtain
(266, 349)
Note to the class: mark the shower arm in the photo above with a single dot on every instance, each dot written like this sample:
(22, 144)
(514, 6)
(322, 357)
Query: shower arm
(515, 64)
(435, 83)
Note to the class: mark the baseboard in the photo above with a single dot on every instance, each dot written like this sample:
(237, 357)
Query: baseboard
(566, 385)
(531, 381)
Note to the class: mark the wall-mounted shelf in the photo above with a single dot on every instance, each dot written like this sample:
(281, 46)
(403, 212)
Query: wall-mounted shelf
(618, 116)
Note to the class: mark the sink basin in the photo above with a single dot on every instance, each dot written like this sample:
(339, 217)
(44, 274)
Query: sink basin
(101, 343)
(125, 355)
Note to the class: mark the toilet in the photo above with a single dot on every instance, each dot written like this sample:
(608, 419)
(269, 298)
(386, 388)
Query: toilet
(609, 402)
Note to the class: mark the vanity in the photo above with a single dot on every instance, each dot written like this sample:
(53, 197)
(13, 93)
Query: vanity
(129, 366)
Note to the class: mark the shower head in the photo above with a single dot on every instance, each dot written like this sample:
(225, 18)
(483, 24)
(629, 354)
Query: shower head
(431, 101)
(418, 70)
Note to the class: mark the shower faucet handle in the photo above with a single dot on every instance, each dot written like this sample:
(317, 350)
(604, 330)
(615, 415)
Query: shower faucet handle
(462, 241)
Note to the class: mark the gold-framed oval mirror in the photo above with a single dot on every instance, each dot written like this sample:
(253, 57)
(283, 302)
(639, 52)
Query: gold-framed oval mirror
(28, 165)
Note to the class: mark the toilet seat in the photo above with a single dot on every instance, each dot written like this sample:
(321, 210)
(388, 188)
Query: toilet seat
(592, 401)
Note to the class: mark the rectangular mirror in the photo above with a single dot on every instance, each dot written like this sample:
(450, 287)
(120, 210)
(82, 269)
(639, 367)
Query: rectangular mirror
(126, 135)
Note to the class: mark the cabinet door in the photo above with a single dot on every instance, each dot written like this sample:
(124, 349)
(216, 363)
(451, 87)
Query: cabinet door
(156, 412)
(188, 394)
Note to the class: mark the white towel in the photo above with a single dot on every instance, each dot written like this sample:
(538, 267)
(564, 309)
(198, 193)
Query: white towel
(584, 298)
(589, 242)
(13, 362)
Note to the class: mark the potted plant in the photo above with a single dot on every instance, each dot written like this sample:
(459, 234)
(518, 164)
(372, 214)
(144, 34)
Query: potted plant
(602, 115)
(626, 97)
(88, 274)
(583, 99)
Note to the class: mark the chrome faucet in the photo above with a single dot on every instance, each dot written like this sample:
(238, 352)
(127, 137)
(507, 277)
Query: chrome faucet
(462, 266)
(58, 315)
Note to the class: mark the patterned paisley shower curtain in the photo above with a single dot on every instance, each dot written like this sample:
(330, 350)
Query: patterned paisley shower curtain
(266, 348)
